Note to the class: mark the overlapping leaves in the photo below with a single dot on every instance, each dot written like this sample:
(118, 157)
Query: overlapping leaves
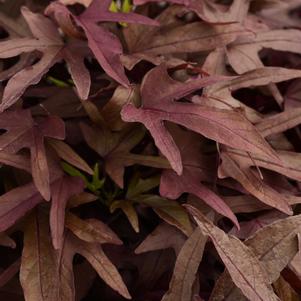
(203, 127)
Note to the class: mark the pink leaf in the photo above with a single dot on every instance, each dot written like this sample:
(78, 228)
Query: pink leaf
(62, 190)
(196, 169)
(23, 132)
(234, 130)
(105, 45)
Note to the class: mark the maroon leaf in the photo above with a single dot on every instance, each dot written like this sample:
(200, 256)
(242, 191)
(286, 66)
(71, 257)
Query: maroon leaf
(44, 275)
(211, 12)
(48, 41)
(247, 229)
(65, 152)
(163, 237)
(91, 230)
(100, 262)
(245, 269)
(237, 169)
(106, 49)
(275, 246)
(186, 266)
(289, 165)
(174, 38)
(10, 272)
(18, 161)
(15, 203)
(115, 149)
(23, 132)
(201, 119)
(62, 191)
(196, 169)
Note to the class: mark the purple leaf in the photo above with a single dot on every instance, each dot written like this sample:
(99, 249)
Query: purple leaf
(23, 132)
(62, 190)
(224, 126)
(48, 41)
(196, 170)
(16, 203)
(105, 45)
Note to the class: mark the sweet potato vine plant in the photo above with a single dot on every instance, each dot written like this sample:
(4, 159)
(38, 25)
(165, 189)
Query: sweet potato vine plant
(150, 150)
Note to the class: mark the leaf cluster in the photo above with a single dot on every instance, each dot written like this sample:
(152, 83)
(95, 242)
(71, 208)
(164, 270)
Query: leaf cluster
(150, 150)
